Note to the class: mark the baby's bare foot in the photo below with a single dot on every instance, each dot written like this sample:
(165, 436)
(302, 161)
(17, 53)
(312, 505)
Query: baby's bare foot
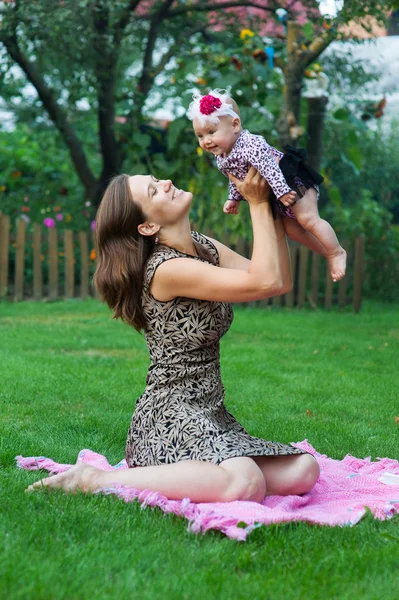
(337, 264)
(80, 477)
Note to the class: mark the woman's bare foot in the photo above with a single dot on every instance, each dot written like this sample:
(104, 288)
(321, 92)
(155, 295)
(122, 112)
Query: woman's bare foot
(80, 477)
(337, 264)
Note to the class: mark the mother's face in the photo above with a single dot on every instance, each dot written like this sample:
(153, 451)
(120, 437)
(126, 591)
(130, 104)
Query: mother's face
(160, 200)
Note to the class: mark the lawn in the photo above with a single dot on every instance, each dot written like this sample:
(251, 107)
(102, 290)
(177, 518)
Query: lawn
(69, 377)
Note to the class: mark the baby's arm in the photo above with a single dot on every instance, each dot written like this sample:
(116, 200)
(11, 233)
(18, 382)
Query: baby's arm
(231, 205)
(234, 194)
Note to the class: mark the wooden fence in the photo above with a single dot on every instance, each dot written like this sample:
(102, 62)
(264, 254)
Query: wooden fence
(62, 264)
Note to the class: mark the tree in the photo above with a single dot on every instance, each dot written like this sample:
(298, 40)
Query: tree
(107, 54)
(306, 43)
(95, 63)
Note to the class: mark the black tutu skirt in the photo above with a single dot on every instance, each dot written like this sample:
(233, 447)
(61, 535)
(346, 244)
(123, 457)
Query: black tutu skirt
(298, 174)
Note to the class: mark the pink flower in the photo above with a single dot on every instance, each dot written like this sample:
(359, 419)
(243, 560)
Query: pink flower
(59, 217)
(208, 104)
(49, 222)
(93, 225)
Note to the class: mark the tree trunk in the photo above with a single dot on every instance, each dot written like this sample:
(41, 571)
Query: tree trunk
(315, 127)
(96, 192)
(287, 124)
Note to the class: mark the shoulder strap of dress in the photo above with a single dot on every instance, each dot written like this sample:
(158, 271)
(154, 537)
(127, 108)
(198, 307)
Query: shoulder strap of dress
(204, 241)
(163, 253)
(158, 256)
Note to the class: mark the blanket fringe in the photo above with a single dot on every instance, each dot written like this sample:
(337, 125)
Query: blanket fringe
(35, 463)
(340, 497)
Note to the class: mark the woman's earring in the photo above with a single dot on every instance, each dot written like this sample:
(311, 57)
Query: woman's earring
(156, 239)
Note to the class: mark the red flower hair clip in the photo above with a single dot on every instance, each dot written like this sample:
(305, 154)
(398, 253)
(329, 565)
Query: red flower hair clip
(208, 104)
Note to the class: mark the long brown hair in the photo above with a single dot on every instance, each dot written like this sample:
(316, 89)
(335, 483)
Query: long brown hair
(123, 252)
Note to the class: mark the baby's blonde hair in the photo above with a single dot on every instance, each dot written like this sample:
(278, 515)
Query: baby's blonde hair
(234, 104)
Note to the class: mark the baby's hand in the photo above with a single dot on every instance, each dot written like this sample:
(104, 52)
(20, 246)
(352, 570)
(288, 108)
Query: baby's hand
(288, 199)
(231, 207)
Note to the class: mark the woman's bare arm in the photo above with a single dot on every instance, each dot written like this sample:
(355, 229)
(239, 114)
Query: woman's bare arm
(189, 278)
(284, 257)
(262, 277)
(228, 258)
(232, 260)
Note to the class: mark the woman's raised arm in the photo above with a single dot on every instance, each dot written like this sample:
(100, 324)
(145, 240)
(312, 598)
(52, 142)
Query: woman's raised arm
(261, 277)
(232, 260)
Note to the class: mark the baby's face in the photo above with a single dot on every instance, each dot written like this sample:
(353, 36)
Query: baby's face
(218, 139)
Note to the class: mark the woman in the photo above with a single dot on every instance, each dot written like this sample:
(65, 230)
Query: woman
(158, 276)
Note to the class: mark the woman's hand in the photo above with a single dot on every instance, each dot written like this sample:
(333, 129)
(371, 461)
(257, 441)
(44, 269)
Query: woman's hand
(253, 188)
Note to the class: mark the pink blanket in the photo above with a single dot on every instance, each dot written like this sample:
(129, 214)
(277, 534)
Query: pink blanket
(340, 497)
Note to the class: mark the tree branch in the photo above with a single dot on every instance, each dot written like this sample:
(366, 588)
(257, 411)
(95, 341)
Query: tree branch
(172, 51)
(316, 48)
(147, 77)
(209, 7)
(120, 25)
(54, 110)
(105, 67)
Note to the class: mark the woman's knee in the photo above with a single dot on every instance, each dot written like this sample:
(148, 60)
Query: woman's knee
(246, 484)
(306, 474)
(251, 488)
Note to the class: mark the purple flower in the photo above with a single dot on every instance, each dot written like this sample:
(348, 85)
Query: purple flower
(59, 216)
(25, 218)
(93, 225)
(49, 222)
(88, 203)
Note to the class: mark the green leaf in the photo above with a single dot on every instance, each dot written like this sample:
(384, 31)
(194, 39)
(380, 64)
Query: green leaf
(341, 114)
(335, 195)
(142, 139)
(353, 137)
(308, 30)
(349, 162)
(174, 131)
(355, 156)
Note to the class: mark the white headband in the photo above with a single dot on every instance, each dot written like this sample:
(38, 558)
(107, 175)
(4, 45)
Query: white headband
(208, 109)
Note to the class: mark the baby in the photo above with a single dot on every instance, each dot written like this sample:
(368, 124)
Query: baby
(217, 125)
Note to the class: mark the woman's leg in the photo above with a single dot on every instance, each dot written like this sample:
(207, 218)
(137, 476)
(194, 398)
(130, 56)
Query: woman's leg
(307, 214)
(234, 479)
(296, 232)
(289, 475)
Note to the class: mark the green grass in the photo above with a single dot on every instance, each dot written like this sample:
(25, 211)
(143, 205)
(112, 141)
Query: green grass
(69, 377)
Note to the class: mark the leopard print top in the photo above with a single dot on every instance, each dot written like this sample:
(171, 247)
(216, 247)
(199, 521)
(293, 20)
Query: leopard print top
(253, 150)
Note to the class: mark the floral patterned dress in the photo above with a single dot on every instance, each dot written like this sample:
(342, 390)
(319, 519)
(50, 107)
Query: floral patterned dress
(181, 414)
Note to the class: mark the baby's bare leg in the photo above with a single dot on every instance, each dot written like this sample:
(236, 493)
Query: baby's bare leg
(296, 232)
(307, 213)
